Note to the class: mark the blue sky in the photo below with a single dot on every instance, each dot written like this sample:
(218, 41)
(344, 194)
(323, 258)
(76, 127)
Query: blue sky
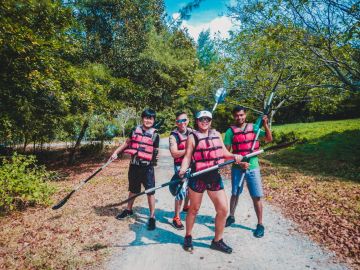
(210, 15)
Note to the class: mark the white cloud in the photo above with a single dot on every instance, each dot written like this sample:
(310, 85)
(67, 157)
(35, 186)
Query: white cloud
(219, 25)
(233, 3)
(176, 16)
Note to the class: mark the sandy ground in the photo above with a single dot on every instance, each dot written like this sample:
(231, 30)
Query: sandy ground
(281, 247)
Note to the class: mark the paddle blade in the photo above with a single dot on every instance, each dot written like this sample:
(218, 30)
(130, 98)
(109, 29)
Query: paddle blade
(175, 185)
(220, 95)
(129, 199)
(63, 201)
(159, 123)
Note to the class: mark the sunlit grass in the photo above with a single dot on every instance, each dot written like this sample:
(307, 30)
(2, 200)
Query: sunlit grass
(329, 148)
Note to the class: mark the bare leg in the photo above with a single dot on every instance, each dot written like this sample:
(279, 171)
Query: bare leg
(258, 208)
(130, 203)
(186, 202)
(151, 202)
(219, 200)
(195, 203)
(177, 207)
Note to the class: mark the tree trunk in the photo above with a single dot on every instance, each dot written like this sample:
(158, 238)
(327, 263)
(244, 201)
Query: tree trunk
(25, 144)
(78, 141)
(123, 132)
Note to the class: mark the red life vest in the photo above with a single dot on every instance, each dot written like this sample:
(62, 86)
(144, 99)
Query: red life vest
(243, 140)
(142, 144)
(208, 150)
(181, 142)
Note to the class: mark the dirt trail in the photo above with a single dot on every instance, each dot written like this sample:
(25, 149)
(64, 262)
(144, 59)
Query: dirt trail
(281, 247)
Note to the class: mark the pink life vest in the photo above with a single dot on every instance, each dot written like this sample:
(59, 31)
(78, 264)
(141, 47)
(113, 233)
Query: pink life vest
(181, 142)
(208, 150)
(244, 139)
(142, 144)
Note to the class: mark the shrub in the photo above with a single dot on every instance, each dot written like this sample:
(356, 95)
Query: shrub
(282, 137)
(23, 183)
(91, 149)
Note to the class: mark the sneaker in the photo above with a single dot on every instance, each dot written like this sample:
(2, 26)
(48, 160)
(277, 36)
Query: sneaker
(124, 214)
(259, 232)
(151, 224)
(230, 220)
(188, 245)
(177, 223)
(220, 246)
(185, 209)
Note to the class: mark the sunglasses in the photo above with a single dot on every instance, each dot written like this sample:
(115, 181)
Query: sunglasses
(204, 119)
(179, 121)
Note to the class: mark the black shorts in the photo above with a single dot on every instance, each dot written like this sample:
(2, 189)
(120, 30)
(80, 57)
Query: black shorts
(141, 175)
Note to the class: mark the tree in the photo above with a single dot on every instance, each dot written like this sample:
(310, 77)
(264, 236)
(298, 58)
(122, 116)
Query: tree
(206, 52)
(34, 45)
(123, 116)
(328, 31)
(91, 87)
(268, 58)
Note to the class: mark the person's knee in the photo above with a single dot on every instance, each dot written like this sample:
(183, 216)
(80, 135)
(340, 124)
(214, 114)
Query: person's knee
(151, 195)
(222, 211)
(256, 200)
(194, 210)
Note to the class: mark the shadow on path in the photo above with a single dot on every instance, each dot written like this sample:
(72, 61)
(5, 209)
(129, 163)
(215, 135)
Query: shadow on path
(160, 235)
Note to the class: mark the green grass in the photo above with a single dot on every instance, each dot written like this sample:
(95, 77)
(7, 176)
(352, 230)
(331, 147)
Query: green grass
(330, 148)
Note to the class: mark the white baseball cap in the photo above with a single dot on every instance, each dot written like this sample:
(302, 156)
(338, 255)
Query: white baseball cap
(203, 114)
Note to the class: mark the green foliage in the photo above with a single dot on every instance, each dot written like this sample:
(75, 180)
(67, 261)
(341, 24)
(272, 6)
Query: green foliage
(23, 183)
(263, 57)
(282, 137)
(327, 36)
(33, 45)
(66, 62)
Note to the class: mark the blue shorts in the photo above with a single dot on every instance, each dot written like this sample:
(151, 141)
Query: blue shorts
(253, 181)
(184, 190)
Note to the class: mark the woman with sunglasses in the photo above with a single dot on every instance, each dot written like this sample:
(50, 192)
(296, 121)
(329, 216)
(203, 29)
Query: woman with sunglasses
(205, 148)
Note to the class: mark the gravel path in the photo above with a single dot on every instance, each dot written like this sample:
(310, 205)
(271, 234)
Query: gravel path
(281, 247)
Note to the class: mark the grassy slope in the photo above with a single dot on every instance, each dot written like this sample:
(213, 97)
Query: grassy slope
(332, 148)
(317, 183)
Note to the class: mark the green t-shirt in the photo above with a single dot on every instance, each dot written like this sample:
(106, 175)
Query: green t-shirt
(254, 161)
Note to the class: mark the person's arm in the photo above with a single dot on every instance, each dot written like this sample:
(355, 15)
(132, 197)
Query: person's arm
(173, 147)
(121, 148)
(156, 149)
(189, 148)
(268, 134)
(228, 139)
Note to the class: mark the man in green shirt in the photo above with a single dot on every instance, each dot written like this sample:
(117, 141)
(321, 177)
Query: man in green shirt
(240, 138)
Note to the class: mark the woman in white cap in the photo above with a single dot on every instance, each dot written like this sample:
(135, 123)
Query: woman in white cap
(205, 148)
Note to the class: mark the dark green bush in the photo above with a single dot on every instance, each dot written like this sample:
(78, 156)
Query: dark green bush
(91, 149)
(23, 183)
(282, 137)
